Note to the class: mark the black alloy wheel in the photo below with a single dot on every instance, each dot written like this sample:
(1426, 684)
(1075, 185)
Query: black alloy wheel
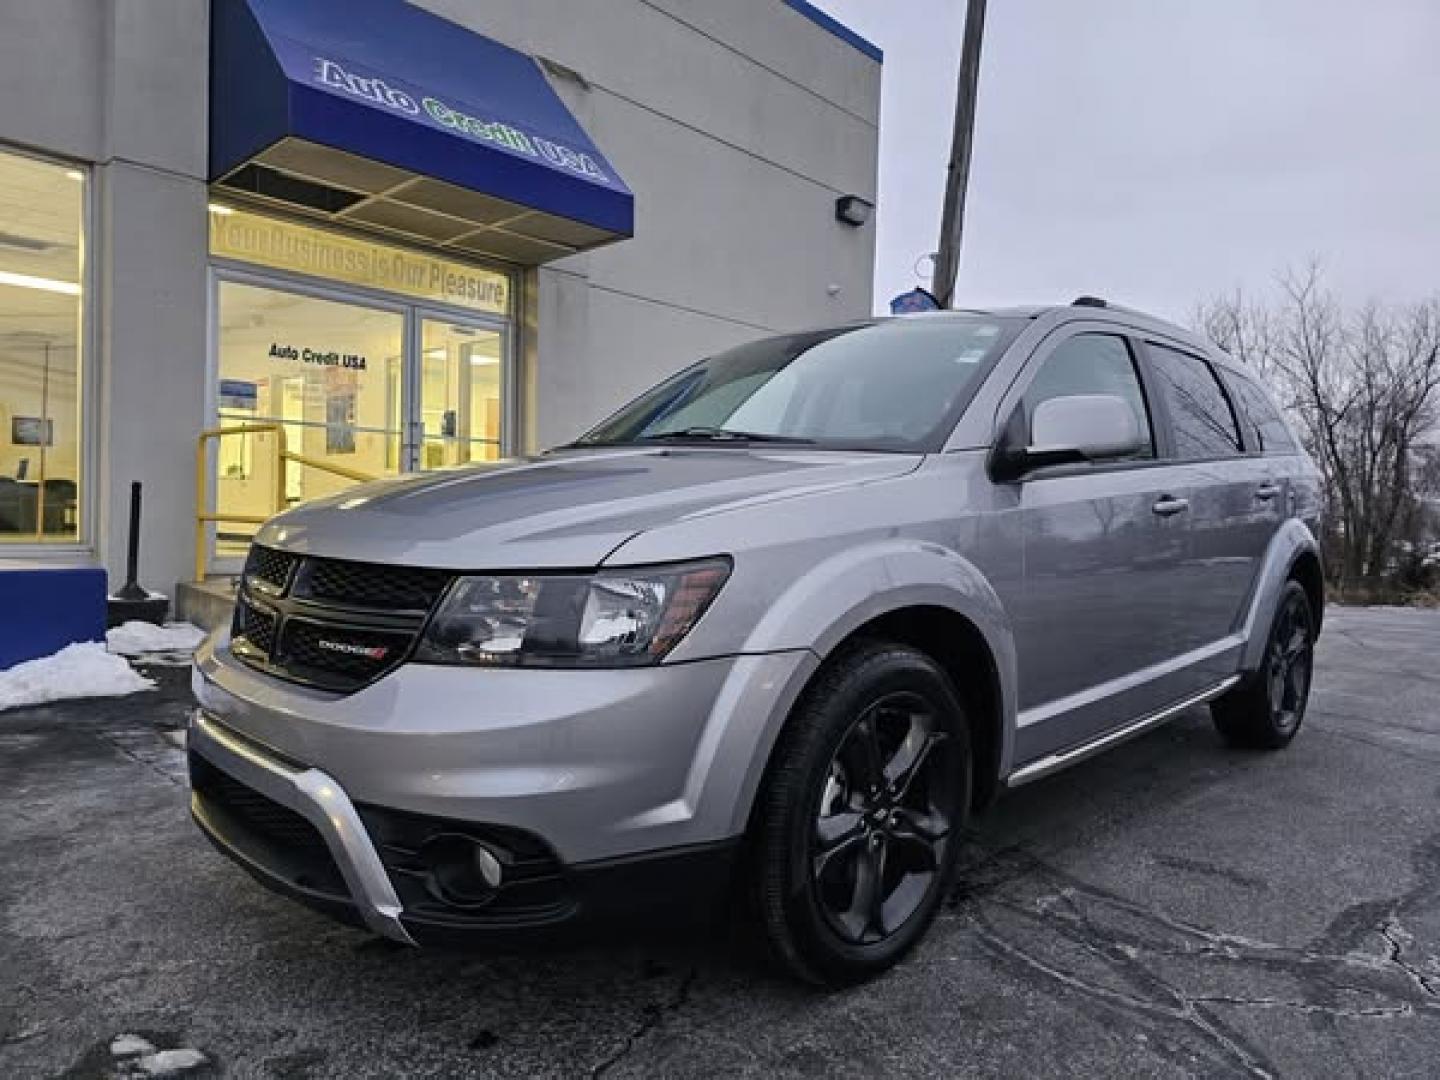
(1266, 710)
(857, 824)
(1289, 663)
(883, 827)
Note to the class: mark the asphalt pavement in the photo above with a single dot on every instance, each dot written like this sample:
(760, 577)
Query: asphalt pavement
(1173, 908)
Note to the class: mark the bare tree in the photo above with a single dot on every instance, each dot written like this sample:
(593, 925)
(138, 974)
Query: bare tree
(1363, 387)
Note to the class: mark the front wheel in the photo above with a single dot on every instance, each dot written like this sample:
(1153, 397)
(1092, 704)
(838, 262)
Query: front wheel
(861, 812)
(1266, 711)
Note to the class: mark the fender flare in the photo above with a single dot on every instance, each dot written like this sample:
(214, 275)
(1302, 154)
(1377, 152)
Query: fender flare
(1292, 541)
(840, 594)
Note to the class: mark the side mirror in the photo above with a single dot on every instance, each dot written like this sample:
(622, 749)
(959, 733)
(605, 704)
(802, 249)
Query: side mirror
(1077, 428)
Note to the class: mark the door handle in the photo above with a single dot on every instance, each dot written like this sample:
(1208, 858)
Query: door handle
(1165, 506)
(1267, 491)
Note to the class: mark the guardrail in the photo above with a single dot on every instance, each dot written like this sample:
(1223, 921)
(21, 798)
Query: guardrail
(204, 516)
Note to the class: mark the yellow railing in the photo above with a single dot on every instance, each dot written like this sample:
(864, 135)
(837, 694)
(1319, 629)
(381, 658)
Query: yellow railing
(204, 516)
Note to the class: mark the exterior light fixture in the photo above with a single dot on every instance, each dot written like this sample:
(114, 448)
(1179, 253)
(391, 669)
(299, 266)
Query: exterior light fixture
(853, 210)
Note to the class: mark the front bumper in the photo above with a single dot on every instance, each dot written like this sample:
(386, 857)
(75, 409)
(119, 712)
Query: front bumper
(294, 868)
(296, 831)
(608, 794)
(602, 764)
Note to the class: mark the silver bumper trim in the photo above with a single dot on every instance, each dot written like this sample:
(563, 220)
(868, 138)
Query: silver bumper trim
(319, 799)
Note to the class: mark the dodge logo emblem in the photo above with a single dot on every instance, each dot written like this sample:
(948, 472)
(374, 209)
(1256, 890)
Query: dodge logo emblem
(369, 652)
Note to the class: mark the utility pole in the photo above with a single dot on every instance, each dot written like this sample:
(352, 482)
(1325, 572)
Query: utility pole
(947, 259)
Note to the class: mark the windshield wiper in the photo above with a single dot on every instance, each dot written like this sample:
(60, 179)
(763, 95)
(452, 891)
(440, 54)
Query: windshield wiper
(719, 434)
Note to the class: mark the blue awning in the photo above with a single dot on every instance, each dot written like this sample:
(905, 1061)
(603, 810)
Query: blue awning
(381, 113)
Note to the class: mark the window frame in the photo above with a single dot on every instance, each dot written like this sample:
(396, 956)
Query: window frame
(1149, 341)
(1014, 396)
(88, 419)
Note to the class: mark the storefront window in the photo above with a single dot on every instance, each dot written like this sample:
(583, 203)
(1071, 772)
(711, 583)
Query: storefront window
(371, 358)
(328, 374)
(42, 213)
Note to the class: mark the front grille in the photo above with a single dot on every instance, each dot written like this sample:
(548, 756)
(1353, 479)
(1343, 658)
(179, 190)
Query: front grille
(331, 623)
(256, 627)
(370, 585)
(341, 657)
(268, 568)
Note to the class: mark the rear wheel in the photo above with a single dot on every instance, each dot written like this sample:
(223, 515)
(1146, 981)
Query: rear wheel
(861, 813)
(1266, 711)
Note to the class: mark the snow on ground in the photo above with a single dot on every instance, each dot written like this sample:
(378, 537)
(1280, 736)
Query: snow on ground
(91, 669)
(137, 1056)
(76, 671)
(137, 638)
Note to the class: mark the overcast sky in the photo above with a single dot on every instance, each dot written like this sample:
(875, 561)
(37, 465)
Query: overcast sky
(1160, 151)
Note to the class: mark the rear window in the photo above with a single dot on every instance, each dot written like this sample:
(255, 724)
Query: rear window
(1264, 430)
(1200, 413)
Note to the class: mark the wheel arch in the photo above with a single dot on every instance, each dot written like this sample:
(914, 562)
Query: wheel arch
(960, 648)
(925, 596)
(1293, 554)
(1310, 573)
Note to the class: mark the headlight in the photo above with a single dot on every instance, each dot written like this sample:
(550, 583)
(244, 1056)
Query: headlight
(613, 618)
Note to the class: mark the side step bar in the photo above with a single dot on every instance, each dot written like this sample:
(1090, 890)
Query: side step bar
(1055, 762)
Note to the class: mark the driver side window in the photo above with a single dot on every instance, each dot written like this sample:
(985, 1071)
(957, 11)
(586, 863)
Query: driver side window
(1092, 364)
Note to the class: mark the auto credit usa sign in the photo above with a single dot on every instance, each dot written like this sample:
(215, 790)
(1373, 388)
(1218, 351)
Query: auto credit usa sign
(346, 79)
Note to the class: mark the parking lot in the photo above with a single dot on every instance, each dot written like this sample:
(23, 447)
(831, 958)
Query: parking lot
(1172, 908)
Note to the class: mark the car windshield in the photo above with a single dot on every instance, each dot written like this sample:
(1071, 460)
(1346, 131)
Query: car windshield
(896, 384)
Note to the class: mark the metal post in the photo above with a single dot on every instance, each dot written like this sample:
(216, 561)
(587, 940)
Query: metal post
(131, 589)
(202, 507)
(280, 463)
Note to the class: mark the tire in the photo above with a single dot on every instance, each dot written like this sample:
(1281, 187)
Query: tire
(860, 815)
(1266, 711)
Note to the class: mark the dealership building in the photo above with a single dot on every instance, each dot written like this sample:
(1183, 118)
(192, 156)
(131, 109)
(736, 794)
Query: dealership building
(379, 237)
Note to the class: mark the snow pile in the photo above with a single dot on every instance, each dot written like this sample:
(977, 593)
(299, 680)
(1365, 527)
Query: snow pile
(130, 1045)
(76, 671)
(138, 638)
(137, 1056)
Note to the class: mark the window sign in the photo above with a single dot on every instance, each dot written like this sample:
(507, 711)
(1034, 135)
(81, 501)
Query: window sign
(239, 394)
(304, 249)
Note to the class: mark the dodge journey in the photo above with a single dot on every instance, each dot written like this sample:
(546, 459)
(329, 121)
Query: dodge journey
(778, 629)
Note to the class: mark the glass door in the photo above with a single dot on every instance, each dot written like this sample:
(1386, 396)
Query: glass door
(361, 389)
(329, 372)
(462, 403)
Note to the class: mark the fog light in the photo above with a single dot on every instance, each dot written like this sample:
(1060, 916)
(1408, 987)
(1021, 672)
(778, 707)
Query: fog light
(463, 872)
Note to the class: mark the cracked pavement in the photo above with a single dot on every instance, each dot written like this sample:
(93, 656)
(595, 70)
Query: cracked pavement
(1173, 908)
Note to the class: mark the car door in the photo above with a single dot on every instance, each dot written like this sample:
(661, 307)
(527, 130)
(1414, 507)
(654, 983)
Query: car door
(1233, 502)
(1274, 453)
(1102, 543)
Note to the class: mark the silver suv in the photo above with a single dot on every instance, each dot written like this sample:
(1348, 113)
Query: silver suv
(789, 619)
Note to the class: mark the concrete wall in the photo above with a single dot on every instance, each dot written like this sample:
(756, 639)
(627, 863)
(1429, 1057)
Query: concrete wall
(737, 125)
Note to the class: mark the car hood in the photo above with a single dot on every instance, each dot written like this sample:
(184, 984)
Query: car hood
(565, 509)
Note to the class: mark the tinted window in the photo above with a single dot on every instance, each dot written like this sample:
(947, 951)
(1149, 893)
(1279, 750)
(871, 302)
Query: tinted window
(1091, 364)
(1199, 411)
(892, 385)
(1264, 429)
